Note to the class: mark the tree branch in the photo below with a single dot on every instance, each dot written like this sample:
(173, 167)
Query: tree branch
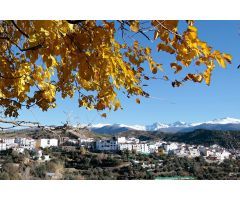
(164, 27)
(6, 77)
(75, 21)
(16, 26)
(17, 123)
(139, 31)
(23, 49)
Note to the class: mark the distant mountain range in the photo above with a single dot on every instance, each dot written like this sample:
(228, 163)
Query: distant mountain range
(216, 124)
(227, 139)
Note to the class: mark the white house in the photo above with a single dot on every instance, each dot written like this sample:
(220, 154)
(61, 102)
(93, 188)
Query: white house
(206, 151)
(73, 141)
(132, 140)
(85, 140)
(9, 142)
(221, 155)
(3, 146)
(202, 150)
(194, 152)
(125, 146)
(44, 143)
(160, 143)
(140, 147)
(225, 155)
(39, 153)
(153, 147)
(121, 140)
(181, 152)
(121, 144)
(107, 145)
(26, 143)
(170, 147)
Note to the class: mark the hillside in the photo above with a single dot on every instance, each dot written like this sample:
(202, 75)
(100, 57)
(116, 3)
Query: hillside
(142, 135)
(227, 139)
(53, 132)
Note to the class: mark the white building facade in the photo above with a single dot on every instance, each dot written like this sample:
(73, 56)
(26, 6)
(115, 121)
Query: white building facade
(26, 143)
(3, 146)
(9, 142)
(107, 145)
(170, 147)
(44, 143)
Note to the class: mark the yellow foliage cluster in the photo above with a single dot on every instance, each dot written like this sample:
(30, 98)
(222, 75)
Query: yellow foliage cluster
(40, 58)
(188, 49)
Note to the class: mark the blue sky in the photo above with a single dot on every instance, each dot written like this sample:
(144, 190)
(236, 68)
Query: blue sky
(190, 103)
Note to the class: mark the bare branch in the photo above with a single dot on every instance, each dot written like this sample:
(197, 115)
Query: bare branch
(23, 49)
(139, 31)
(16, 26)
(75, 21)
(16, 123)
(8, 77)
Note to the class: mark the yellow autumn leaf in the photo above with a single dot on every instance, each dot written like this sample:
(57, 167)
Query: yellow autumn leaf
(134, 26)
(148, 51)
(104, 115)
(51, 61)
(138, 101)
(176, 67)
(47, 74)
(192, 28)
(165, 78)
(221, 61)
(163, 47)
(227, 57)
(194, 77)
(117, 105)
(207, 74)
(154, 70)
(156, 35)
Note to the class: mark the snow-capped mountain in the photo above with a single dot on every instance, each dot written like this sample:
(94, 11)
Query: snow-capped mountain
(227, 120)
(115, 128)
(223, 124)
(216, 124)
(156, 126)
(180, 124)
